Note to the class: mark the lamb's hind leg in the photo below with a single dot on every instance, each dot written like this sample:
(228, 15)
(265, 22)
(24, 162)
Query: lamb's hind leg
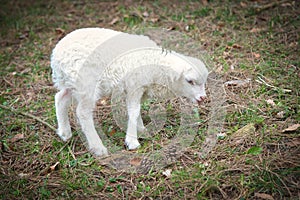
(133, 109)
(84, 113)
(62, 104)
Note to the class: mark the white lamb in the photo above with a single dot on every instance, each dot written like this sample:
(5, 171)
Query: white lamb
(89, 63)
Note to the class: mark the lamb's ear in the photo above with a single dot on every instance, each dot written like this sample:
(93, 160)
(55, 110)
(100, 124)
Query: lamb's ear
(189, 70)
(181, 75)
(184, 72)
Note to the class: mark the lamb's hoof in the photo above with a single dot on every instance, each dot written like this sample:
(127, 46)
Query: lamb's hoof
(99, 151)
(64, 135)
(132, 143)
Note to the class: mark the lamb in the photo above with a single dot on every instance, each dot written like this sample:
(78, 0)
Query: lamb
(87, 64)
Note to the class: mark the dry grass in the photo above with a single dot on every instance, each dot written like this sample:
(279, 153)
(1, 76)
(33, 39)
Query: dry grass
(258, 40)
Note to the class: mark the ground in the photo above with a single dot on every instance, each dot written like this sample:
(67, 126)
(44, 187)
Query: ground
(254, 43)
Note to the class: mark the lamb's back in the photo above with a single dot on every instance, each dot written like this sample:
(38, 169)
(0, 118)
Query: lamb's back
(70, 53)
(85, 53)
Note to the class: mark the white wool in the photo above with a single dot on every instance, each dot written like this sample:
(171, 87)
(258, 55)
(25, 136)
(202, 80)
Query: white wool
(89, 63)
(70, 54)
(143, 58)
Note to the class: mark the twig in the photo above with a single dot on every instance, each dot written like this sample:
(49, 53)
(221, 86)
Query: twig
(262, 8)
(72, 154)
(66, 144)
(277, 177)
(270, 5)
(261, 81)
(27, 115)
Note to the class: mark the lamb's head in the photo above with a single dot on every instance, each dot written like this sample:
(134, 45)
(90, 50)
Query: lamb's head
(191, 84)
(191, 75)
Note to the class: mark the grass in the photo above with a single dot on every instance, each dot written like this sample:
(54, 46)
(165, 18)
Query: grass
(246, 39)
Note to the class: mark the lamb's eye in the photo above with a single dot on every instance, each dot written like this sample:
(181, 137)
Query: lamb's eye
(191, 82)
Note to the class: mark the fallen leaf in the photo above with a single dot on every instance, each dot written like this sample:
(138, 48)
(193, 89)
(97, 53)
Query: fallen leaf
(221, 136)
(294, 127)
(187, 28)
(25, 71)
(167, 173)
(23, 175)
(226, 54)
(286, 4)
(154, 19)
(145, 14)
(221, 25)
(205, 2)
(244, 5)
(171, 28)
(293, 44)
(246, 130)
(237, 46)
(271, 102)
(256, 55)
(136, 161)
(256, 30)
(114, 21)
(219, 69)
(280, 114)
(24, 35)
(59, 31)
(52, 168)
(237, 82)
(103, 102)
(112, 132)
(17, 137)
(264, 196)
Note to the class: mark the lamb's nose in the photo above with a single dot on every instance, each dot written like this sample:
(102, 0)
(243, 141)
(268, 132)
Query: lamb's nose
(201, 99)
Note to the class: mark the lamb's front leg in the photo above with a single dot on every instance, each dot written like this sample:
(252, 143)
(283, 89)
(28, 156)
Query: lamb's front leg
(85, 116)
(133, 109)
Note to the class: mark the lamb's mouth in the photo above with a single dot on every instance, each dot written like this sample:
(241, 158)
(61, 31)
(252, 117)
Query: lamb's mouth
(200, 100)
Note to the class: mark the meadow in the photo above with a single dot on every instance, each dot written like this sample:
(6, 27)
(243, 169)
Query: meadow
(254, 46)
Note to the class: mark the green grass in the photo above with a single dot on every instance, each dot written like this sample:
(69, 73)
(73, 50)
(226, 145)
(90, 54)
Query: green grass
(260, 159)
